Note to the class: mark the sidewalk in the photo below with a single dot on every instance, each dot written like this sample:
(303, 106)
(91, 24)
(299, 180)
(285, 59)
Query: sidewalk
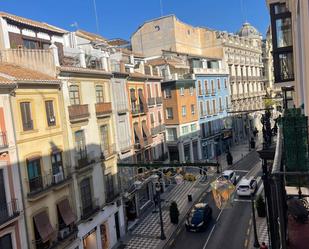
(261, 227)
(146, 233)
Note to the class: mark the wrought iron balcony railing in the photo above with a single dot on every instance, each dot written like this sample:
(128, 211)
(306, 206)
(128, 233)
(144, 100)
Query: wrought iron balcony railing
(78, 112)
(8, 211)
(89, 209)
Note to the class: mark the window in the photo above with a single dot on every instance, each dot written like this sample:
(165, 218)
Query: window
(99, 93)
(193, 127)
(49, 106)
(80, 145)
(220, 105)
(192, 109)
(109, 185)
(86, 196)
(199, 85)
(219, 84)
(201, 108)
(191, 91)
(74, 95)
(167, 93)
(171, 134)
(206, 86)
(148, 91)
(34, 174)
(208, 107)
(281, 25)
(157, 91)
(56, 160)
(225, 83)
(185, 129)
(169, 113)
(159, 117)
(182, 91)
(152, 119)
(183, 111)
(26, 116)
(30, 44)
(212, 87)
(104, 130)
(227, 102)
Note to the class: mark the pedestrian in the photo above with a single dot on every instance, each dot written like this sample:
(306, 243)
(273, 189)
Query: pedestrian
(263, 246)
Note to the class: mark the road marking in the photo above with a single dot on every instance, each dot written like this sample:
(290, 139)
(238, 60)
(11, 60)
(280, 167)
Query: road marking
(242, 200)
(261, 187)
(212, 230)
(241, 171)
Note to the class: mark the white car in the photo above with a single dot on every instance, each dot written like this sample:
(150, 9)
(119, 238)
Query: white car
(247, 186)
(229, 175)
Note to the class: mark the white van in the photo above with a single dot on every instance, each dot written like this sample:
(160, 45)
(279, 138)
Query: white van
(247, 186)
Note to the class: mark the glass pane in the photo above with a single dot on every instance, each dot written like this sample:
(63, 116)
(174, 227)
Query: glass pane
(284, 32)
(280, 8)
(286, 66)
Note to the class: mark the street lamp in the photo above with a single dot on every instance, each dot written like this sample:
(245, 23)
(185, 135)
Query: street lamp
(256, 241)
(158, 192)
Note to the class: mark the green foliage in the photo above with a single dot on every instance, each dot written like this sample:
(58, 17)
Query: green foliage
(260, 206)
(174, 213)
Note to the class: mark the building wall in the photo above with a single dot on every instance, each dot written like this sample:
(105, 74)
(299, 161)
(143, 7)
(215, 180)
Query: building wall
(9, 164)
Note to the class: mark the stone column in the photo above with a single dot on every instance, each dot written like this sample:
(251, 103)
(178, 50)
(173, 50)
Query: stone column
(181, 152)
(199, 149)
(191, 152)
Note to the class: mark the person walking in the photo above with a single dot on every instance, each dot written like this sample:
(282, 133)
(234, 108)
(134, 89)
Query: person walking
(263, 246)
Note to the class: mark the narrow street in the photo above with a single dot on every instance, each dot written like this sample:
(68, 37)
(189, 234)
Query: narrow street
(228, 228)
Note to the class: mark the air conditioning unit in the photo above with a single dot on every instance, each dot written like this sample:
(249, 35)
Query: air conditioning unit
(58, 177)
(63, 233)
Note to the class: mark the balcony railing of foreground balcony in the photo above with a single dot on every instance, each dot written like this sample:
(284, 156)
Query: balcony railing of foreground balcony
(158, 129)
(3, 140)
(41, 60)
(159, 100)
(151, 101)
(89, 209)
(41, 184)
(78, 112)
(138, 109)
(8, 211)
(108, 151)
(103, 109)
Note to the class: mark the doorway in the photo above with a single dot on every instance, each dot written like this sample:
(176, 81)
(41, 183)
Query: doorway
(117, 225)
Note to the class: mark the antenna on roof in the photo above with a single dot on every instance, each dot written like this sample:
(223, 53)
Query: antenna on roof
(96, 15)
(161, 8)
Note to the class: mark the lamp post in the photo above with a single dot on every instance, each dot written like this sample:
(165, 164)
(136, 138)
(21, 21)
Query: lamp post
(256, 241)
(158, 191)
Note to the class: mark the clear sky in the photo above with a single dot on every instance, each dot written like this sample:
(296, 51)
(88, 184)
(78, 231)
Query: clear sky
(120, 18)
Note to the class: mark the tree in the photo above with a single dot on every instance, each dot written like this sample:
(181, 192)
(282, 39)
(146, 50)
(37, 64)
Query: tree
(260, 206)
(174, 213)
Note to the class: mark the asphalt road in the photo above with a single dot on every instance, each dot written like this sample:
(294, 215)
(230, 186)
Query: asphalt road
(229, 227)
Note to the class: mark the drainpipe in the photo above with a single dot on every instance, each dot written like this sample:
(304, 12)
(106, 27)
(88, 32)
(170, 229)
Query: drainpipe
(18, 166)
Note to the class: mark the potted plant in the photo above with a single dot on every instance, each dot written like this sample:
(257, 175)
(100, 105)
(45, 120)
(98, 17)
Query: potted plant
(260, 206)
(174, 213)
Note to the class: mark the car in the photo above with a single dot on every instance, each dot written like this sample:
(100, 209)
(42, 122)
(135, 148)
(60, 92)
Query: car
(247, 186)
(229, 175)
(199, 217)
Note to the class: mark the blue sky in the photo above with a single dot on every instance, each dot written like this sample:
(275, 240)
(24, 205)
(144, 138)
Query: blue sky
(120, 18)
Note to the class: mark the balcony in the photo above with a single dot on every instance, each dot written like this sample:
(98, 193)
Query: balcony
(159, 100)
(82, 160)
(147, 141)
(103, 109)
(137, 110)
(9, 211)
(90, 209)
(111, 196)
(151, 101)
(78, 112)
(42, 184)
(158, 129)
(3, 140)
(108, 151)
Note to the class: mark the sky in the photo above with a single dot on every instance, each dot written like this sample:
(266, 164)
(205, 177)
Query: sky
(120, 18)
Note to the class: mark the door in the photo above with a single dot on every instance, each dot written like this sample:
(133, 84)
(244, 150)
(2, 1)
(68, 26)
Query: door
(6, 242)
(3, 203)
(117, 226)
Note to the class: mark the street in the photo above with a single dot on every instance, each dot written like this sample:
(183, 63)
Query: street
(229, 227)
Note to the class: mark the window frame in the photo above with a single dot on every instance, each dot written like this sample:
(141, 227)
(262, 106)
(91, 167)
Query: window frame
(184, 111)
(51, 119)
(75, 99)
(26, 116)
(167, 113)
(100, 96)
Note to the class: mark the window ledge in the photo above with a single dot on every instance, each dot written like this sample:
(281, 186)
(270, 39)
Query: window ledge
(29, 132)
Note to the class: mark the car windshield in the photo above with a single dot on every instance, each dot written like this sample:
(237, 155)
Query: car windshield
(243, 186)
(197, 215)
(226, 177)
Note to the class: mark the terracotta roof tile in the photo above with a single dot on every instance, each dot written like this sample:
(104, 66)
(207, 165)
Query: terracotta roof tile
(17, 73)
(83, 70)
(5, 81)
(33, 23)
(90, 36)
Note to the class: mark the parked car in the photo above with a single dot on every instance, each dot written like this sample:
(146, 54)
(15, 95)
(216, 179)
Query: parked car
(247, 186)
(229, 175)
(199, 217)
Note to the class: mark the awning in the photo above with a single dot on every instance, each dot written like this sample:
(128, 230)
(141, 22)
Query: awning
(43, 226)
(145, 128)
(139, 135)
(66, 212)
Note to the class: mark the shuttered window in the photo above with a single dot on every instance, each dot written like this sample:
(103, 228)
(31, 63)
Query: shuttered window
(49, 106)
(26, 116)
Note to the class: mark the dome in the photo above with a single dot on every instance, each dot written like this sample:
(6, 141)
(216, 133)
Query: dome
(247, 30)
